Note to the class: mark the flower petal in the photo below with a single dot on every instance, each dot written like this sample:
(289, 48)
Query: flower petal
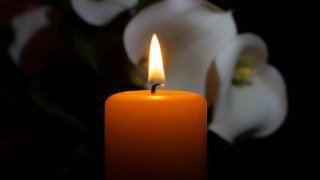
(190, 34)
(99, 13)
(256, 109)
(248, 50)
(25, 26)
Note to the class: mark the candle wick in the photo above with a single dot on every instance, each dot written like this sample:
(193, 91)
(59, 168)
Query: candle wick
(153, 88)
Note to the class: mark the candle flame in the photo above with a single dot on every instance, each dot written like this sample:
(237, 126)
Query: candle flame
(156, 72)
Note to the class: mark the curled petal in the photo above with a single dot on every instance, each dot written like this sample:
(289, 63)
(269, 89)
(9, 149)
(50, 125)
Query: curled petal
(99, 13)
(257, 108)
(190, 34)
(25, 26)
(244, 51)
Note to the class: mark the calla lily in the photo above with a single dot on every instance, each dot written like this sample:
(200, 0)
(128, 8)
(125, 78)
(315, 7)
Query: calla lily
(25, 25)
(99, 13)
(190, 32)
(204, 54)
(252, 95)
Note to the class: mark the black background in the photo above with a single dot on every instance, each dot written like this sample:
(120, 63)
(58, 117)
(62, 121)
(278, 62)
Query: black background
(289, 29)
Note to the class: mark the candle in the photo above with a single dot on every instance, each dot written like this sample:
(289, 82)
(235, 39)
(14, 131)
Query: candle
(157, 134)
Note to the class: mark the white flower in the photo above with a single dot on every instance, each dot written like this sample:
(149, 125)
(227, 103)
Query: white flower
(257, 107)
(24, 26)
(100, 12)
(190, 33)
(204, 54)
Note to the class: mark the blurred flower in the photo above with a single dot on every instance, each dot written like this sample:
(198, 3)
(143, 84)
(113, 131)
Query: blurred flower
(191, 33)
(252, 97)
(25, 25)
(204, 54)
(100, 12)
(9, 8)
(34, 30)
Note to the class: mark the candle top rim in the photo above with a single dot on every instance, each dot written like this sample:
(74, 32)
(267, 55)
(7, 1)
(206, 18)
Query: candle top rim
(159, 95)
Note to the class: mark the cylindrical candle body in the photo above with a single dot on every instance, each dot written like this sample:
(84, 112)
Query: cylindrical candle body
(155, 137)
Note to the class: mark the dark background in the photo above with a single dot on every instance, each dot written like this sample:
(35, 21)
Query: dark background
(289, 29)
(36, 145)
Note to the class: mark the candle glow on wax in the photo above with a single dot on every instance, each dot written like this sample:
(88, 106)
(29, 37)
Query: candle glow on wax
(156, 136)
(156, 72)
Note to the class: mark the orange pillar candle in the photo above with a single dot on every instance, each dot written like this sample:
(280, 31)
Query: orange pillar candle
(155, 136)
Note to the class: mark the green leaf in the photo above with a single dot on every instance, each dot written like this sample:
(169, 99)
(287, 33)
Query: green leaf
(144, 3)
(40, 100)
(86, 49)
(135, 78)
(82, 155)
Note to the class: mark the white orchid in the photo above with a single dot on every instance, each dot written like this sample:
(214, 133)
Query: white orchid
(100, 12)
(204, 54)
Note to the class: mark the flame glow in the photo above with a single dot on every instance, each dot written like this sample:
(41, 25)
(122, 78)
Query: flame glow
(156, 72)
